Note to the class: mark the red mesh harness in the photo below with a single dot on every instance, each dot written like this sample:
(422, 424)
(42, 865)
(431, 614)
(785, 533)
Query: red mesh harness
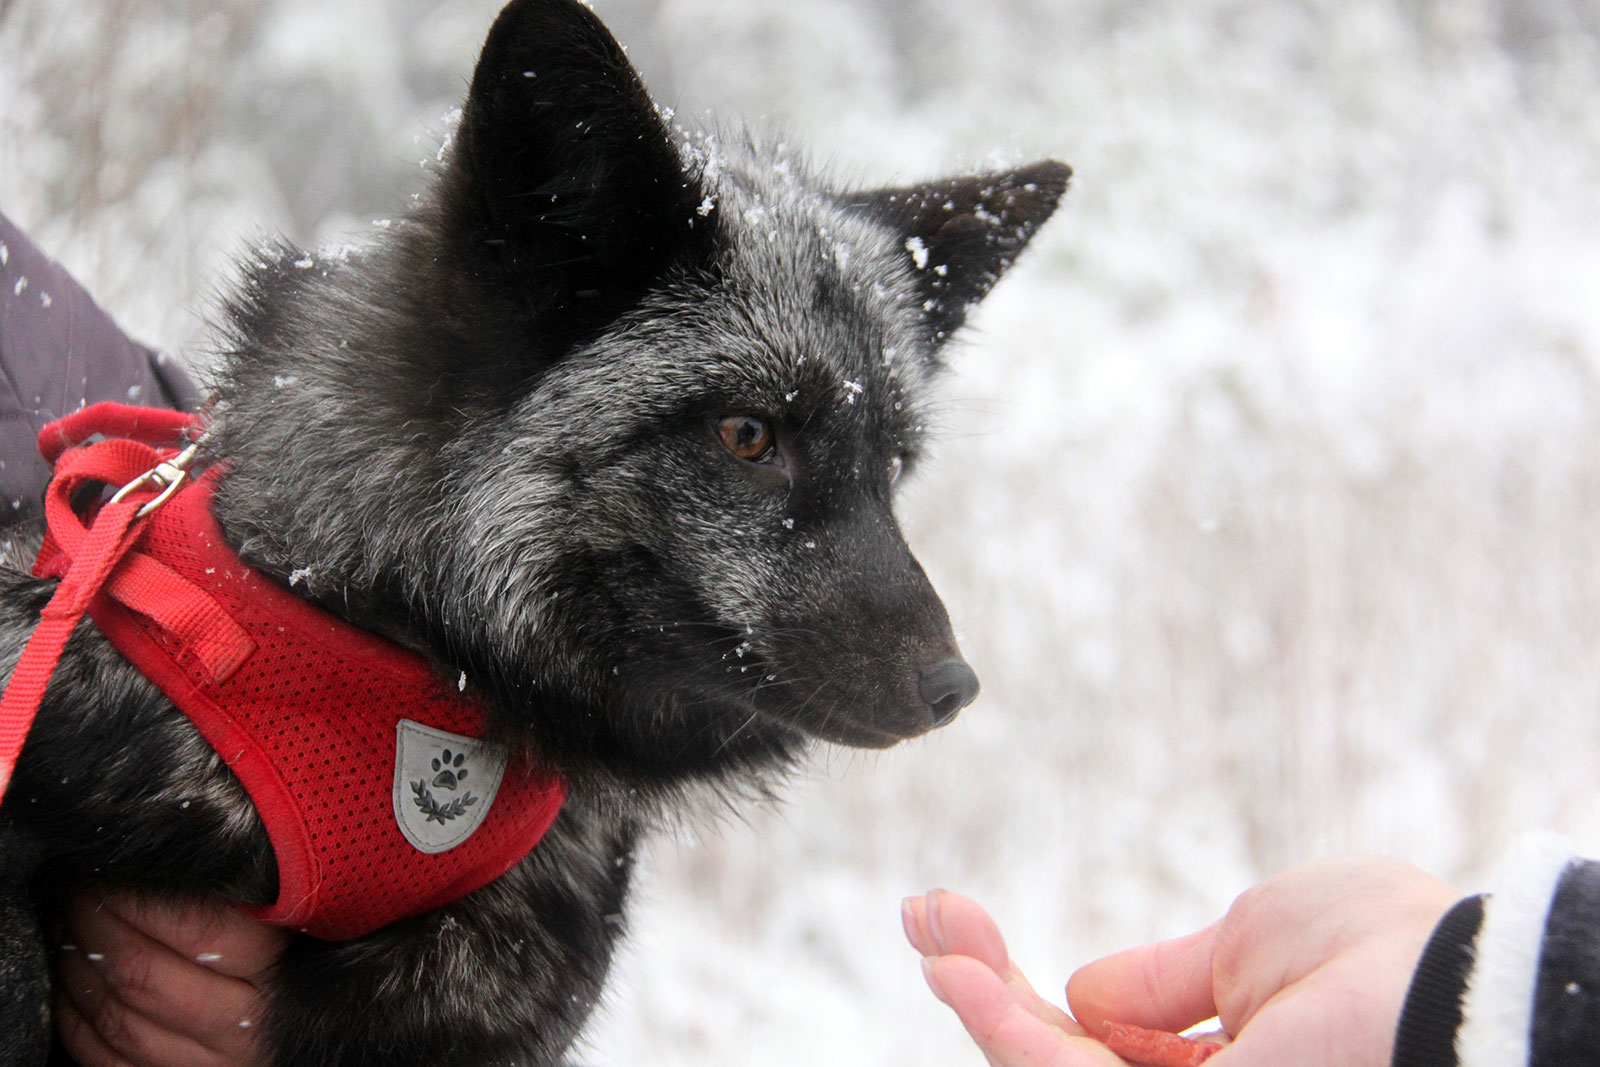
(379, 796)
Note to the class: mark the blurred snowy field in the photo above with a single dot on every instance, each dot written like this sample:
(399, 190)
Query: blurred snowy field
(1268, 506)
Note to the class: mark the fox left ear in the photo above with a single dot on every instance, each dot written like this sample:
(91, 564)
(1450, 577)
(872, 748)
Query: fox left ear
(961, 234)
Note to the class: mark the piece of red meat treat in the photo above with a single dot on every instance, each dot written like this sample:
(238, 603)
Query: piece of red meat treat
(1157, 1048)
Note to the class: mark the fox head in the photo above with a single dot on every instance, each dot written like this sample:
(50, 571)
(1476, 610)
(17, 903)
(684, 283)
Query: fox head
(612, 423)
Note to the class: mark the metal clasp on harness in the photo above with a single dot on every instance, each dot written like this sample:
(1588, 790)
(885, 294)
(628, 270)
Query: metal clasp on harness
(166, 475)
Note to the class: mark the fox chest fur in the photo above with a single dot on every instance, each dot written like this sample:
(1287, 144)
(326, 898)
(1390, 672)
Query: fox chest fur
(608, 427)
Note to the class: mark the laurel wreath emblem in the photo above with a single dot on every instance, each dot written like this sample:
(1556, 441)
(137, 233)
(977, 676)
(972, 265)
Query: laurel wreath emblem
(436, 812)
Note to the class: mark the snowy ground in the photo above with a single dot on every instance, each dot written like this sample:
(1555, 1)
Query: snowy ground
(1269, 504)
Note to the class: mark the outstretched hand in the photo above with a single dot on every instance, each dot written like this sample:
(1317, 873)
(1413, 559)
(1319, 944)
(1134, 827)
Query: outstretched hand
(1309, 968)
(143, 983)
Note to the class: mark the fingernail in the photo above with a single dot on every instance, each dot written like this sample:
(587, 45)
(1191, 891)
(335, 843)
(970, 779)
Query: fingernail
(908, 920)
(933, 983)
(935, 928)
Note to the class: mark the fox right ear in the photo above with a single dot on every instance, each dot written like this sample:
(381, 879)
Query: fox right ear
(562, 170)
(962, 233)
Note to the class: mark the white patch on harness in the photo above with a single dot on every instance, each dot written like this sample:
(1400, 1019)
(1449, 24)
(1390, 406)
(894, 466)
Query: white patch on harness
(444, 785)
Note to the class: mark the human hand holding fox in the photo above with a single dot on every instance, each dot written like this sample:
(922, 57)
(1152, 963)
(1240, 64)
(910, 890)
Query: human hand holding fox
(158, 984)
(1310, 967)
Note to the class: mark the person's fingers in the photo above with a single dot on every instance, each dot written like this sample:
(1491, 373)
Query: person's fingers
(1161, 986)
(952, 924)
(80, 1040)
(959, 926)
(165, 990)
(98, 1027)
(213, 933)
(156, 983)
(1007, 1031)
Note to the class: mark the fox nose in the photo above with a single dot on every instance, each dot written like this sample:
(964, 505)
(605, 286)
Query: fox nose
(947, 686)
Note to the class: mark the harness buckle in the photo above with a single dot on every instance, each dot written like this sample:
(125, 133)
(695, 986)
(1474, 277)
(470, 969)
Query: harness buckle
(166, 476)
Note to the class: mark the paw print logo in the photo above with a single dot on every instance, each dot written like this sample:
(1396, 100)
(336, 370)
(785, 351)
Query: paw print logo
(449, 772)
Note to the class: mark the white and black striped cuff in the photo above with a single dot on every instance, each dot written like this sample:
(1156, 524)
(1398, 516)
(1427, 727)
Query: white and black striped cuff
(1512, 979)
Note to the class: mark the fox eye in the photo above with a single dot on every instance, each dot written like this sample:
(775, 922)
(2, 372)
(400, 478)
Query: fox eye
(746, 436)
(896, 465)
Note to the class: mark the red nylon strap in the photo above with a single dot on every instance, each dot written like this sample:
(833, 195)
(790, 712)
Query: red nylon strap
(198, 624)
(99, 550)
(95, 559)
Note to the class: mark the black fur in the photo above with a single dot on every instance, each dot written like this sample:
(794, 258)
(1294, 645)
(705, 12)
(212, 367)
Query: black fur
(492, 435)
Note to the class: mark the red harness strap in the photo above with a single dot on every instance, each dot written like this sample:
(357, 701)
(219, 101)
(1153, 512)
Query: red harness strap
(374, 784)
(96, 550)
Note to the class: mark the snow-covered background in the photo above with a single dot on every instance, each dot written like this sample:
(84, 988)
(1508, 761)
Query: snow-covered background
(1269, 502)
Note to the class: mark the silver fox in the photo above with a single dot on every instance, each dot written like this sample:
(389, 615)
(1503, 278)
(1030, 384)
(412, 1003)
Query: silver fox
(609, 426)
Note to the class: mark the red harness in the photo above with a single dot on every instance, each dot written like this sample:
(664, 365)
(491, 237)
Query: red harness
(371, 778)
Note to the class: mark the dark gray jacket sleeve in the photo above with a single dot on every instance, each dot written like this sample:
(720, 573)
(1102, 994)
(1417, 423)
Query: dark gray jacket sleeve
(1512, 978)
(58, 352)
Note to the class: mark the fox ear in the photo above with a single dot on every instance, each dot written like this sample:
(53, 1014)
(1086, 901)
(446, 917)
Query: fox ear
(962, 233)
(562, 170)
